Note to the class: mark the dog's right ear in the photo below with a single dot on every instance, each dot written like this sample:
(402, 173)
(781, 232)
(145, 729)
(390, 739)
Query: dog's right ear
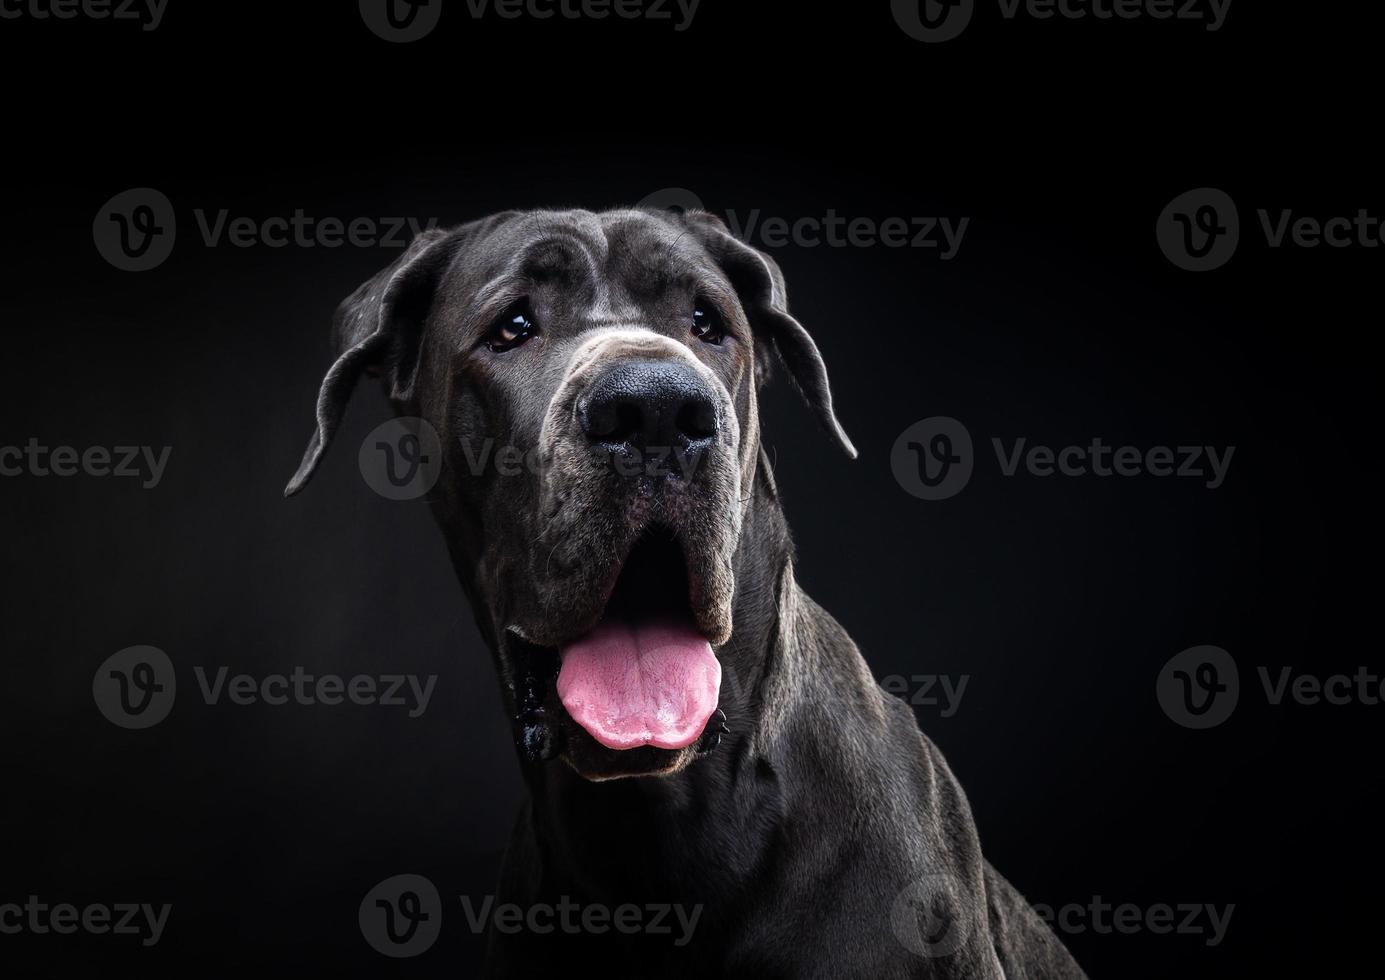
(378, 329)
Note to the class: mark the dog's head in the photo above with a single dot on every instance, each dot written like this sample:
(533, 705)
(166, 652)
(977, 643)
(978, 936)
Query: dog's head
(592, 379)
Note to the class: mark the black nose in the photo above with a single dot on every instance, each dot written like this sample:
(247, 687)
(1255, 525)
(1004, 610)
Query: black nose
(649, 405)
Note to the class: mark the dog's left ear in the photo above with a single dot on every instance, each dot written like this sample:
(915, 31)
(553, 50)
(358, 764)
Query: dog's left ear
(378, 329)
(760, 285)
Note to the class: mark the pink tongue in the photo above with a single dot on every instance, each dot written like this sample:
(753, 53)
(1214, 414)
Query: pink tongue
(652, 684)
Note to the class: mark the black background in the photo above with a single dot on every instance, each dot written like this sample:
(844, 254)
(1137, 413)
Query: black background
(1059, 320)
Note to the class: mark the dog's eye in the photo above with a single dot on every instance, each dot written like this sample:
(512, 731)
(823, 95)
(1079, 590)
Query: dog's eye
(513, 328)
(706, 325)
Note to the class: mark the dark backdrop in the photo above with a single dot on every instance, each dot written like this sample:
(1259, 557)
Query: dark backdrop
(1059, 319)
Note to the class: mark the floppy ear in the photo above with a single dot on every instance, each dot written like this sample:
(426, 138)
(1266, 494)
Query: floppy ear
(378, 329)
(760, 285)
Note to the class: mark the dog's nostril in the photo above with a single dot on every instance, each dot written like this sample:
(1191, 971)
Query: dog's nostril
(610, 417)
(697, 419)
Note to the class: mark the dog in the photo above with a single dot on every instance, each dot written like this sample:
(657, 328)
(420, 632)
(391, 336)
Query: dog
(694, 731)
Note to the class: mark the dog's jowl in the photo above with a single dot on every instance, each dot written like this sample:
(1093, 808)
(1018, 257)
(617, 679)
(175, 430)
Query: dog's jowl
(693, 730)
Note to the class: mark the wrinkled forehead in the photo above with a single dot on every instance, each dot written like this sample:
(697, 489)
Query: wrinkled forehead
(608, 259)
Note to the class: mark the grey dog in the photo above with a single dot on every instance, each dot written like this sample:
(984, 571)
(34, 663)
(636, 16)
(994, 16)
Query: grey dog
(693, 730)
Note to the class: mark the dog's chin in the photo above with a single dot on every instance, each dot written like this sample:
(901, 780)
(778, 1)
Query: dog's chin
(593, 761)
(631, 686)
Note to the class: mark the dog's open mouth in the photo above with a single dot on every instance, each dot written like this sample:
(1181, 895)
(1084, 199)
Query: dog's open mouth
(644, 675)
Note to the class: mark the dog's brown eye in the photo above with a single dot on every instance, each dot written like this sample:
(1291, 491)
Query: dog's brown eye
(706, 325)
(514, 327)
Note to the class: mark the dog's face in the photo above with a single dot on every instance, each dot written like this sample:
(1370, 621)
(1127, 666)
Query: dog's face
(592, 379)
